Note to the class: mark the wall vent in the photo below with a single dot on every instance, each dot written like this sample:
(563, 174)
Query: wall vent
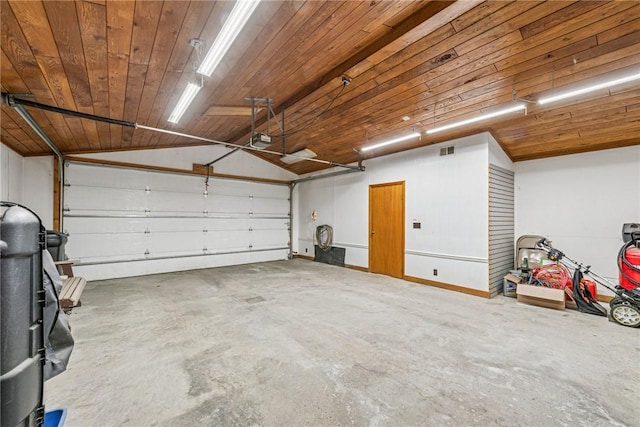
(444, 151)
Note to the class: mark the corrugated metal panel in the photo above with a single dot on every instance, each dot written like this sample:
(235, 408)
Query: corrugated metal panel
(498, 258)
(503, 205)
(501, 226)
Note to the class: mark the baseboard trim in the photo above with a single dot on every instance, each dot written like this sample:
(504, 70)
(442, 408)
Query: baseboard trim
(449, 287)
(352, 267)
(357, 267)
(441, 285)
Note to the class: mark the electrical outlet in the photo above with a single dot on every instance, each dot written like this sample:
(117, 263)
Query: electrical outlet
(435, 271)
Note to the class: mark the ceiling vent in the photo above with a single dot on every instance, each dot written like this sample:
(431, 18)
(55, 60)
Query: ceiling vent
(445, 151)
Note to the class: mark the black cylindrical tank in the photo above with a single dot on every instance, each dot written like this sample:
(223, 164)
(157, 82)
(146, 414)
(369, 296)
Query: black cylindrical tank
(21, 313)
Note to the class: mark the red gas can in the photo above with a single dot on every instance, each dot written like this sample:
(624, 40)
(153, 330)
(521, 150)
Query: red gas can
(633, 257)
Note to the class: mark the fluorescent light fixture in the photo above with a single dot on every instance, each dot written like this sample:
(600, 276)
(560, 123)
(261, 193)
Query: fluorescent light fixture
(591, 88)
(230, 30)
(391, 141)
(479, 118)
(298, 156)
(189, 93)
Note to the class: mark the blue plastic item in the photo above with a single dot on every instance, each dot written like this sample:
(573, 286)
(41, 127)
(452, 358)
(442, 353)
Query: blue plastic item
(55, 418)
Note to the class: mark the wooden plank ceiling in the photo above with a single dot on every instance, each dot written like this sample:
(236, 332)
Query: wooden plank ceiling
(434, 62)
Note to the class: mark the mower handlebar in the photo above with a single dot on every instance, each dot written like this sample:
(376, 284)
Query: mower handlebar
(543, 243)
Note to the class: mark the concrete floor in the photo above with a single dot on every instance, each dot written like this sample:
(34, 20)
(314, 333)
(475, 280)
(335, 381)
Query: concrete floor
(297, 343)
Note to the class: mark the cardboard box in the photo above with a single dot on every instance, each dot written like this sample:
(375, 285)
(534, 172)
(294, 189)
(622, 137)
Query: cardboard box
(509, 285)
(569, 302)
(542, 296)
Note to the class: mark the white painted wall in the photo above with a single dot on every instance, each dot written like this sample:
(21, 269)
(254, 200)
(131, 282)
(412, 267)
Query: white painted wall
(580, 202)
(37, 191)
(11, 167)
(497, 156)
(240, 163)
(28, 181)
(448, 195)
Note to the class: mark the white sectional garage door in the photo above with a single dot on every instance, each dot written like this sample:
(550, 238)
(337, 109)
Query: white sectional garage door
(121, 215)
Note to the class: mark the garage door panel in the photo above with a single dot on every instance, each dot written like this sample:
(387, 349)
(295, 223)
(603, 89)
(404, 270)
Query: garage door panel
(229, 205)
(270, 206)
(117, 214)
(175, 203)
(167, 242)
(89, 225)
(88, 246)
(267, 237)
(89, 200)
(220, 241)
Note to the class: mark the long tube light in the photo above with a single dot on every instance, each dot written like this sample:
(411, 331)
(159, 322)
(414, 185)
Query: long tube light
(189, 93)
(391, 141)
(230, 30)
(479, 118)
(592, 88)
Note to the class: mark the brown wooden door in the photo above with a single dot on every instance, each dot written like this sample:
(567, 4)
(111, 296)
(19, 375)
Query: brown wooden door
(386, 229)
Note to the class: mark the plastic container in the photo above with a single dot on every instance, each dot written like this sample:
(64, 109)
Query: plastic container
(633, 256)
(21, 308)
(56, 242)
(55, 418)
(509, 288)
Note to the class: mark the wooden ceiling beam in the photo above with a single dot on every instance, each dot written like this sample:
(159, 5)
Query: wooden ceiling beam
(298, 21)
(411, 63)
(466, 63)
(429, 11)
(132, 59)
(278, 49)
(569, 146)
(366, 86)
(93, 30)
(240, 58)
(18, 134)
(582, 133)
(182, 62)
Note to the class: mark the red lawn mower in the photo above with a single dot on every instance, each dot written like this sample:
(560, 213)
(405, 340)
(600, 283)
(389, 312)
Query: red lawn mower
(625, 306)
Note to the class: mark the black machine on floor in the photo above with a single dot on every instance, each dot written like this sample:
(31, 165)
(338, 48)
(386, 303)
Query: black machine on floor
(35, 339)
(625, 306)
